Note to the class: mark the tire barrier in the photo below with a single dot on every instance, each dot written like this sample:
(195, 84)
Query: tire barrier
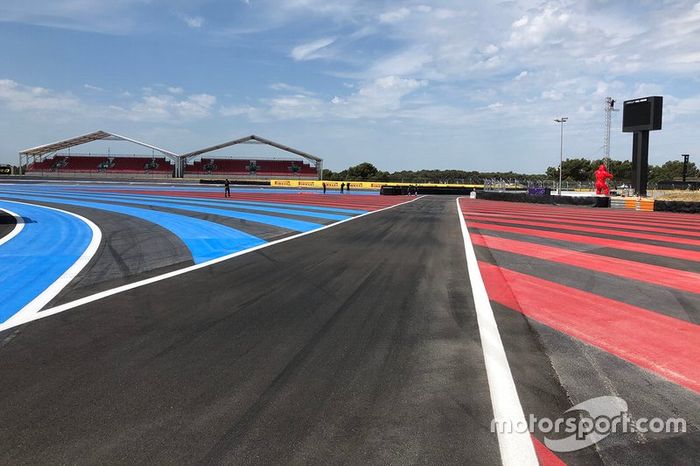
(591, 201)
(239, 182)
(677, 206)
(393, 190)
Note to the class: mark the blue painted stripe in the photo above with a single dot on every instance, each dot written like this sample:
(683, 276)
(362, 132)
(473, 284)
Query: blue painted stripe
(228, 205)
(48, 245)
(281, 222)
(99, 191)
(205, 240)
(314, 208)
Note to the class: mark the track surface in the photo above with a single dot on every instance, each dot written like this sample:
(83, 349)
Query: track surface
(598, 302)
(355, 344)
(150, 230)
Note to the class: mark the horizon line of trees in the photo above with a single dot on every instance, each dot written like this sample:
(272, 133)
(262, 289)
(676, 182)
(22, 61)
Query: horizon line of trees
(573, 170)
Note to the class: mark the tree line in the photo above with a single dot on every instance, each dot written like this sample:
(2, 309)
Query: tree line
(575, 169)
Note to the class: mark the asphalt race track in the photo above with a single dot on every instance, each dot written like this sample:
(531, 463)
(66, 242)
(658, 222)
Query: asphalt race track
(303, 328)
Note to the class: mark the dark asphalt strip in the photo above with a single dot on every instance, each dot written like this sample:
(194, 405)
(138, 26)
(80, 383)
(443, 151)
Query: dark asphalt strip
(260, 230)
(608, 235)
(356, 344)
(7, 223)
(652, 259)
(690, 234)
(670, 302)
(131, 249)
(585, 372)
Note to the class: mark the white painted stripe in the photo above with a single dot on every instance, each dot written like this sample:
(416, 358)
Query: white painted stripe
(30, 311)
(175, 273)
(19, 225)
(516, 447)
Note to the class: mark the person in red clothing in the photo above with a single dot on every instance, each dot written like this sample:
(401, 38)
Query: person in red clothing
(601, 177)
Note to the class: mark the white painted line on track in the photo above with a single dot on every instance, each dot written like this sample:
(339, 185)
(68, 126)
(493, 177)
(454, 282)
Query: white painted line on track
(31, 310)
(19, 225)
(175, 273)
(516, 447)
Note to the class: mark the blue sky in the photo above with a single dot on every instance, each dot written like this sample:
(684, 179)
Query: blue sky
(405, 85)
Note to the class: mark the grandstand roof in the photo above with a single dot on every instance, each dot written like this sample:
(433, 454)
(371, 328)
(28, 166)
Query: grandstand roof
(85, 138)
(252, 139)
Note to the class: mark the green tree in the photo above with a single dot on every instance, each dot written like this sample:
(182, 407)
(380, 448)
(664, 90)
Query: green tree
(673, 169)
(362, 172)
(572, 170)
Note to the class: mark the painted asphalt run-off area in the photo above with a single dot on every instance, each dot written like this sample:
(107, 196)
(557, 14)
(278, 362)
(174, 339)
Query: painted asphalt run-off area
(156, 323)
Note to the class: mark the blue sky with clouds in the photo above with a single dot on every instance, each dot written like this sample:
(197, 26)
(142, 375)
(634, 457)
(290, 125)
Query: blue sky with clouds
(405, 85)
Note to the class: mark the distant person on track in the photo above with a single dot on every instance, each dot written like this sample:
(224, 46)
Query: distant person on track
(342, 188)
(347, 187)
(324, 187)
(227, 188)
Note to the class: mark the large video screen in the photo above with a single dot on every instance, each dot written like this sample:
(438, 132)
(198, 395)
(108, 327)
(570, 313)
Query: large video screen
(642, 114)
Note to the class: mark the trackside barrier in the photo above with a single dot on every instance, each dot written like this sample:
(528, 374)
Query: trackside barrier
(592, 201)
(645, 205)
(685, 207)
(318, 184)
(617, 203)
(632, 203)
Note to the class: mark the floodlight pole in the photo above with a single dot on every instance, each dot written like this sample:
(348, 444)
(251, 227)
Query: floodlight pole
(561, 121)
(685, 166)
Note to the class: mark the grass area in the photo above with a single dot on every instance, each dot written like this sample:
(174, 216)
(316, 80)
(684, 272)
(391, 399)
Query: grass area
(693, 196)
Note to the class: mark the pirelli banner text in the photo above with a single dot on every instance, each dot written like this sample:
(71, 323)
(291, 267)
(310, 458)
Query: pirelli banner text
(317, 184)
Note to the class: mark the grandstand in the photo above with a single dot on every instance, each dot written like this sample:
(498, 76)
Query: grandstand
(196, 164)
(86, 164)
(49, 160)
(251, 167)
(55, 159)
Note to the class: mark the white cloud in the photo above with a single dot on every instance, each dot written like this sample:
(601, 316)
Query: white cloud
(394, 16)
(23, 98)
(193, 21)
(547, 25)
(377, 99)
(166, 107)
(175, 90)
(311, 50)
(90, 87)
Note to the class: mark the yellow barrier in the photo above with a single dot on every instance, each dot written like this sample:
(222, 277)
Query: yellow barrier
(630, 203)
(646, 205)
(318, 184)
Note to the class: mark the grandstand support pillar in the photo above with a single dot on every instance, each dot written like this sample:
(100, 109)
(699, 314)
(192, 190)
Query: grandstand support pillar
(319, 168)
(180, 167)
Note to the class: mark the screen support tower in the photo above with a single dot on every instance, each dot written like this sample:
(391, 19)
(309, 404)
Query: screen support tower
(609, 108)
(639, 117)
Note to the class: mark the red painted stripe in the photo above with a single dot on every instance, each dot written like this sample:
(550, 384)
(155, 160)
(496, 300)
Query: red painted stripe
(600, 217)
(556, 225)
(647, 273)
(655, 217)
(582, 221)
(663, 345)
(350, 201)
(546, 456)
(608, 214)
(593, 240)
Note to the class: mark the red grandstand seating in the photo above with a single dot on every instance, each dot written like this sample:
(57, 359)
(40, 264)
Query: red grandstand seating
(88, 163)
(241, 167)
